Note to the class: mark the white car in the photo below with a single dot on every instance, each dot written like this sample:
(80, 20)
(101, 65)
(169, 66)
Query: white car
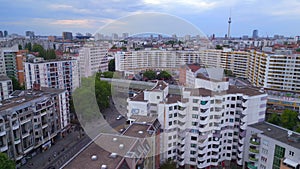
(119, 117)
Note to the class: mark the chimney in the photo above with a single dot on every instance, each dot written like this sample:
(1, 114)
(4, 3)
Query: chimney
(36, 86)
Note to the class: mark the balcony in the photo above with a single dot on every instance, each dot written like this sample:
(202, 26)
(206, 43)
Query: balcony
(251, 166)
(17, 141)
(254, 151)
(2, 132)
(15, 126)
(253, 159)
(254, 142)
(3, 148)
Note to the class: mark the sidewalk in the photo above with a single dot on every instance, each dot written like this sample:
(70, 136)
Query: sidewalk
(57, 150)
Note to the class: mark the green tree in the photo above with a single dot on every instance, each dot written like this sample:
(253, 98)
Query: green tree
(274, 119)
(6, 163)
(298, 50)
(164, 75)
(289, 119)
(108, 74)
(16, 84)
(20, 47)
(114, 47)
(219, 47)
(168, 165)
(28, 46)
(150, 74)
(228, 73)
(111, 65)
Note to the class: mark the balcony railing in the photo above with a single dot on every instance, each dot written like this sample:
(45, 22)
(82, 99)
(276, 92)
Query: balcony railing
(253, 150)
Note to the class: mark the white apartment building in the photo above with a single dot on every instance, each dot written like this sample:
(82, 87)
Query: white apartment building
(8, 61)
(60, 74)
(93, 58)
(204, 126)
(31, 120)
(270, 146)
(6, 87)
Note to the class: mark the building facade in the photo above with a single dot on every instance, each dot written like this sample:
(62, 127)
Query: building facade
(31, 120)
(60, 74)
(204, 126)
(271, 146)
(6, 87)
(93, 58)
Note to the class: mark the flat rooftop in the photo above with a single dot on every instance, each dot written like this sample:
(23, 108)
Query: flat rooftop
(277, 133)
(137, 130)
(25, 96)
(250, 91)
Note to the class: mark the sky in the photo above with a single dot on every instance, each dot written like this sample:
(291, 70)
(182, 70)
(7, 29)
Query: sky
(46, 17)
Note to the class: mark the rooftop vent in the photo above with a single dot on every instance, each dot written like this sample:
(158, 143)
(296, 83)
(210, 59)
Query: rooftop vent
(115, 139)
(94, 158)
(121, 146)
(103, 166)
(140, 132)
(269, 129)
(290, 133)
(113, 155)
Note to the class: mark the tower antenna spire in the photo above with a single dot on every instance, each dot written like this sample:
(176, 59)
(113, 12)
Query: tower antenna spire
(229, 23)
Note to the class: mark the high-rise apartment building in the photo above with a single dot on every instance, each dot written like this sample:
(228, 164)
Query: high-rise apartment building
(93, 58)
(8, 61)
(255, 34)
(31, 121)
(60, 74)
(6, 87)
(67, 36)
(204, 126)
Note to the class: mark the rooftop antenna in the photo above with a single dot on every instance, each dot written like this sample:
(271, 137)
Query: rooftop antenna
(229, 22)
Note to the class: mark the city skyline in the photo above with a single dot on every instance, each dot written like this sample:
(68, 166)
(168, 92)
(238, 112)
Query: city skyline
(211, 17)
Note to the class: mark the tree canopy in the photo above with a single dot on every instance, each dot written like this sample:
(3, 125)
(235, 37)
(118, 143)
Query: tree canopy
(93, 95)
(168, 165)
(288, 119)
(16, 84)
(150, 75)
(6, 163)
(46, 54)
(164, 75)
(108, 74)
(111, 65)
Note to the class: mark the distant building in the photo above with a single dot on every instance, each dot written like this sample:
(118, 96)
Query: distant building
(29, 34)
(255, 34)
(31, 121)
(51, 38)
(114, 36)
(67, 36)
(125, 35)
(6, 87)
(93, 58)
(60, 74)
(1, 34)
(270, 146)
(8, 61)
(5, 34)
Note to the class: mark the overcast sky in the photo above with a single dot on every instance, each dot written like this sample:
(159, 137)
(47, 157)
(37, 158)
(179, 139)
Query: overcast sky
(269, 17)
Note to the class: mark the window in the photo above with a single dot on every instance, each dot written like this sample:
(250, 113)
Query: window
(170, 108)
(170, 137)
(291, 153)
(231, 120)
(195, 116)
(194, 123)
(169, 152)
(170, 115)
(170, 123)
(232, 105)
(175, 114)
(175, 107)
(193, 152)
(212, 102)
(195, 108)
(158, 97)
(195, 100)
(193, 159)
(230, 134)
(193, 145)
(170, 145)
(193, 138)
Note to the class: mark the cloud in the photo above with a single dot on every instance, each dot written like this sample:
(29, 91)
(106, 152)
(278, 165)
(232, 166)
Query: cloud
(65, 7)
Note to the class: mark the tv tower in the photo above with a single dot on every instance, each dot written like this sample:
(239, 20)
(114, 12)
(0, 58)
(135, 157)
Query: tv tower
(229, 22)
